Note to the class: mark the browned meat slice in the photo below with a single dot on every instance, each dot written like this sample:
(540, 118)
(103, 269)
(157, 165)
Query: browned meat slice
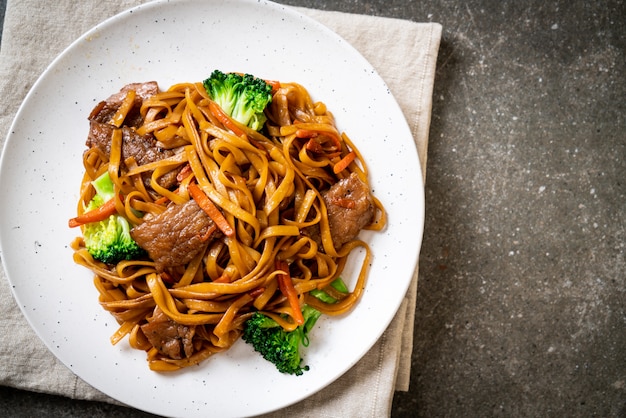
(170, 338)
(104, 111)
(143, 149)
(176, 236)
(143, 90)
(350, 207)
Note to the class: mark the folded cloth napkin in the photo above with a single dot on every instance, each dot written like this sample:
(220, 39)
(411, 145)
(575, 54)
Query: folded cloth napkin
(403, 52)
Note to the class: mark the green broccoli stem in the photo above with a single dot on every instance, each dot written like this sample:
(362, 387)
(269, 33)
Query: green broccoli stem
(104, 186)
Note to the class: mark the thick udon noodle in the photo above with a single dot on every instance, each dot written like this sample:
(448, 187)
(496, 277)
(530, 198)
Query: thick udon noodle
(268, 188)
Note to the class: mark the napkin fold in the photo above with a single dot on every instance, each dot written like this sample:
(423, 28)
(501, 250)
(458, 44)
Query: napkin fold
(403, 52)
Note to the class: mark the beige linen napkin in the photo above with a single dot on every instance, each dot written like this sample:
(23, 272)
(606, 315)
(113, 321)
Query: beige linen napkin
(404, 53)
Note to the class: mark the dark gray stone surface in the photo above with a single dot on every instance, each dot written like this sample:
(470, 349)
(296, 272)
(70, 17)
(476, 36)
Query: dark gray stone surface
(522, 294)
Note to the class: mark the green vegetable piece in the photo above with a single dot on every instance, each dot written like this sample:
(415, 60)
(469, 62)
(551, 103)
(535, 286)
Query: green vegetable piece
(323, 296)
(339, 285)
(242, 97)
(280, 347)
(336, 284)
(109, 241)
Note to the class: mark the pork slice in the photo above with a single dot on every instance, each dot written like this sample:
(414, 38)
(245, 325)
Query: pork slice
(350, 207)
(169, 337)
(143, 149)
(104, 111)
(176, 236)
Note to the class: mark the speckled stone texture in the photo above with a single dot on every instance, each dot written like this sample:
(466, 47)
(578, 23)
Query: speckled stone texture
(521, 303)
(522, 294)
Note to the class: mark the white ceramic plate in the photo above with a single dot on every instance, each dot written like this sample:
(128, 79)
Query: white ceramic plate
(184, 41)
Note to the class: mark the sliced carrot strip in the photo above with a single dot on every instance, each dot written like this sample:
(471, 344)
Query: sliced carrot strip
(224, 278)
(344, 162)
(285, 284)
(255, 293)
(228, 123)
(344, 202)
(314, 146)
(162, 200)
(209, 207)
(208, 233)
(305, 133)
(96, 215)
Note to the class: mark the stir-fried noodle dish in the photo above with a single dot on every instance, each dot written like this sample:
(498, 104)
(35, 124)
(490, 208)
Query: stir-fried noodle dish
(220, 210)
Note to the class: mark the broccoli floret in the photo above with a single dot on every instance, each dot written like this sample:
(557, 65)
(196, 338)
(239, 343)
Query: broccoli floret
(278, 346)
(109, 240)
(242, 97)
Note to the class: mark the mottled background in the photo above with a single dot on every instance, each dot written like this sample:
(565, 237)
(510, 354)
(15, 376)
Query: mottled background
(522, 294)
